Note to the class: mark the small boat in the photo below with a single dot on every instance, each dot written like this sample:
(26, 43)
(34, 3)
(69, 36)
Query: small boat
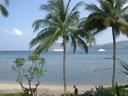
(101, 50)
(57, 49)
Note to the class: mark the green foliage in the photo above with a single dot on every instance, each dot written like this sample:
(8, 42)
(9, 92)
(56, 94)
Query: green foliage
(59, 22)
(100, 91)
(67, 94)
(116, 16)
(88, 93)
(119, 90)
(110, 13)
(12, 94)
(35, 69)
(3, 10)
(124, 65)
(46, 94)
(112, 89)
(29, 72)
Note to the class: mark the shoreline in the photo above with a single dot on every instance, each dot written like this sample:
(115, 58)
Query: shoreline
(50, 89)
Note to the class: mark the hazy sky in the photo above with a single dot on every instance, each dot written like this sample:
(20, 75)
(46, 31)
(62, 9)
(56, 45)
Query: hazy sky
(16, 30)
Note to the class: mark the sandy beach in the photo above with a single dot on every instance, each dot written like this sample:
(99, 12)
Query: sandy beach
(52, 89)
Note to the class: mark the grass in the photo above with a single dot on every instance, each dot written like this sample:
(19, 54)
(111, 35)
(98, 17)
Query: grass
(12, 94)
(22, 94)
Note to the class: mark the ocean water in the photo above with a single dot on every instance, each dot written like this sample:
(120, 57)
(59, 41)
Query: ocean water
(82, 69)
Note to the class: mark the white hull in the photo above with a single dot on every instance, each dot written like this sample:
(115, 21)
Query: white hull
(101, 50)
(58, 50)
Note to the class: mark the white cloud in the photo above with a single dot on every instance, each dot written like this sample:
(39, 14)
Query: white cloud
(16, 31)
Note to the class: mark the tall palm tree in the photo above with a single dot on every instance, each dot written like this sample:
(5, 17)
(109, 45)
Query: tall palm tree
(110, 13)
(3, 10)
(59, 22)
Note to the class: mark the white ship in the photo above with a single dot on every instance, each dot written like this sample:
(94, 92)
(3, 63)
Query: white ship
(58, 50)
(101, 50)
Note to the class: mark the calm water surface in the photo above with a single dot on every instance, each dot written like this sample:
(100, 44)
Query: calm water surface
(81, 68)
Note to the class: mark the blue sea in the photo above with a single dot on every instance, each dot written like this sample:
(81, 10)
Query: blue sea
(82, 69)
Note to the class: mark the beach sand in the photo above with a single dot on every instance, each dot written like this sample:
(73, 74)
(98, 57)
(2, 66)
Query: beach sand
(50, 89)
(59, 89)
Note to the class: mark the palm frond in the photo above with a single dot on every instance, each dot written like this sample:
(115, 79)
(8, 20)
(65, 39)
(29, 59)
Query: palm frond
(95, 17)
(46, 39)
(3, 10)
(42, 23)
(73, 43)
(73, 18)
(55, 16)
(52, 9)
(117, 31)
(94, 23)
(54, 37)
(90, 38)
(122, 24)
(123, 11)
(120, 3)
(37, 24)
(76, 7)
(125, 66)
(44, 46)
(122, 21)
(42, 35)
(44, 7)
(58, 23)
(82, 44)
(40, 48)
(106, 6)
(67, 8)
(62, 13)
(93, 8)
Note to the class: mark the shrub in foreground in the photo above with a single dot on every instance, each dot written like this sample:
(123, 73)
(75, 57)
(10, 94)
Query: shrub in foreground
(100, 91)
(31, 72)
(121, 90)
(67, 94)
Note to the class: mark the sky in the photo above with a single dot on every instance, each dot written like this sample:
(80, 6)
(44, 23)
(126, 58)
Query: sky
(16, 30)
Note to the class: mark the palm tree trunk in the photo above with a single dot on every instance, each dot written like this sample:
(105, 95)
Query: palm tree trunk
(64, 65)
(114, 58)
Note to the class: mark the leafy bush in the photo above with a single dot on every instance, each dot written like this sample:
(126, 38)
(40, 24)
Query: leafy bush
(89, 93)
(32, 74)
(100, 91)
(122, 90)
(67, 94)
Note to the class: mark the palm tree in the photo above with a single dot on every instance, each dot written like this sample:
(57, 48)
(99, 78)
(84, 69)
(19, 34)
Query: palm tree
(59, 22)
(3, 10)
(110, 13)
